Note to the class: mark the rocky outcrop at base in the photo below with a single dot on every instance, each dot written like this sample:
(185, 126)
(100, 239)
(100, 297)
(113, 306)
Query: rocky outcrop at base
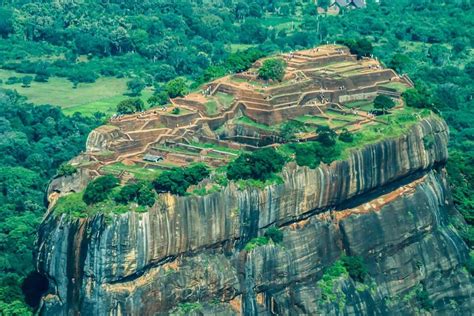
(387, 202)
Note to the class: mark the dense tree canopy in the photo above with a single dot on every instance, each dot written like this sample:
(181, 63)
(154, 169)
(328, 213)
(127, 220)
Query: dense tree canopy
(34, 142)
(99, 189)
(129, 106)
(259, 165)
(326, 136)
(272, 69)
(383, 102)
(178, 180)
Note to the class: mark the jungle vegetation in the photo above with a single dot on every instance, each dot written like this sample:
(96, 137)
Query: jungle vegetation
(150, 43)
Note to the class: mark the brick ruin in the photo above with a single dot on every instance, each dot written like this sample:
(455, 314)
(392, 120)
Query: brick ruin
(234, 111)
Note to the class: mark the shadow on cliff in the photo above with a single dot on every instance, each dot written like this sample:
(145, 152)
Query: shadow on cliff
(34, 287)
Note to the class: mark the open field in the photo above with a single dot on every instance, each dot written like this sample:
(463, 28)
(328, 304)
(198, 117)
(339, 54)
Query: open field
(400, 87)
(88, 98)
(239, 47)
(105, 105)
(281, 22)
(139, 172)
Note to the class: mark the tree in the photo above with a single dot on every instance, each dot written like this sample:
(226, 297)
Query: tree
(439, 54)
(252, 31)
(306, 154)
(176, 111)
(178, 180)
(355, 266)
(161, 98)
(128, 193)
(41, 78)
(326, 136)
(346, 136)
(290, 128)
(66, 169)
(98, 189)
(240, 61)
(275, 234)
(129, 106)
(383, 103)
(176, 87)
(146, 196)
(469, 69)
(460, 44)
(135, 86)
(26, 81)
(164, 73)
(400, 62)
(272, 69)
(416, 98)
(6, 22)
(241, 10)
(255, 10)
(361, 47)
(140, 193)
(324, 4)
(259, 165)
(77, 75)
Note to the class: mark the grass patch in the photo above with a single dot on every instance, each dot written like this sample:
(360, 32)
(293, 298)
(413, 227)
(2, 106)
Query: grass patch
(335, 123)
(316, 120)
(398, 123)
(340, 65)
(176, 149)
(400, 87)
(359, 104)
(252, 82)
(211, 107)
(106, 105)
(88, 98)
(247, 121)
(355, 72)
(256, 242)
(234, 48)
(340, 116)
(217, 147)
(225, 99)
(73, 205)
(140, 173)
(181, 111)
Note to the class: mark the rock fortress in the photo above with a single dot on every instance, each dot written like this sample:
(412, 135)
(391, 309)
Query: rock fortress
(242, 112)
(362, 234)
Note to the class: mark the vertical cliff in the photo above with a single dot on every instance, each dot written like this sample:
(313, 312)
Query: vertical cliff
(387, 202)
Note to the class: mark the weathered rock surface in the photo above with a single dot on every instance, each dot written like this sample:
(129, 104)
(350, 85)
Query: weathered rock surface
(387, 202)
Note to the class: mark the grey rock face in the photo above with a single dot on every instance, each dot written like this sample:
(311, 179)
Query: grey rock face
(387, 202)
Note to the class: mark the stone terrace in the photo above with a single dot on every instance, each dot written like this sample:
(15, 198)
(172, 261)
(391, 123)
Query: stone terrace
(317, 84)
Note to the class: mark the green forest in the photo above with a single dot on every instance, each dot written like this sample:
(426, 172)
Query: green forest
(141, 47)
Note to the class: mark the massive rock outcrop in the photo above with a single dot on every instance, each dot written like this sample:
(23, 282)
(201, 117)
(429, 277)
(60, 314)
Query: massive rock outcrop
(387, 202)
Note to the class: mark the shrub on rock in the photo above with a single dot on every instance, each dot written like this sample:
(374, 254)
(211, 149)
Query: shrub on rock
(178, 180)
(272, 69)
(259, 165)
(98, 189)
